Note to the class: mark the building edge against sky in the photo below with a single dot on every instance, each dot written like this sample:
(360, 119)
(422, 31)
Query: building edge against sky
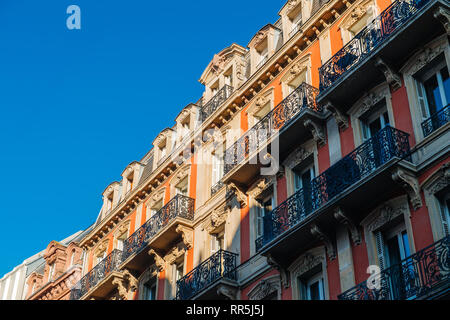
(349, 102)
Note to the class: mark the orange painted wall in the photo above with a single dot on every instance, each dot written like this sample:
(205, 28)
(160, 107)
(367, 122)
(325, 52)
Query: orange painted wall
(421, 225)
(334, 282)
(245, 233)
(161, 285)
(402, 113)
(347, 140)
(360, 260)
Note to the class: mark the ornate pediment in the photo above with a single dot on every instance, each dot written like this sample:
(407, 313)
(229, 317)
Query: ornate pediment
(176, 253)
(386, 213)
(265, 287)
(296, 157)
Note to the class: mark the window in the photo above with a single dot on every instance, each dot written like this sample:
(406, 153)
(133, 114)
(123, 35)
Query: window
(445, 212)
(182, 187)
(163, 152)
(312, 287)
(263, 56)
(217, 167)
(266, 207)
(296, 23)
(72, 258)
(228, 77)
(158, 205)
(302, 181)
(217, 242)
(393, 250)
(101, 256)
(50, 273)
(150, 290)
(433, 88)
(179, 271)
(375, 121)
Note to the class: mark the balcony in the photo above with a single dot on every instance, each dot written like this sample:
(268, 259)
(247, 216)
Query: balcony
(219, 98)
(202, 281)
(424, 275)
(393, 36)
(158, 232)
(437, 120)
(353, 181)
(98, 282)
(216, 187)
(282, 123)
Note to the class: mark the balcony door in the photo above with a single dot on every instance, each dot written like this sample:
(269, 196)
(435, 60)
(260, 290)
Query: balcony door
(302, 181)
(150, 290)
(399, 272)
(313, 287)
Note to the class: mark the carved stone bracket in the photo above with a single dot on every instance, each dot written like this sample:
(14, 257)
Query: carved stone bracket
(410, 184)
(284, 274)
(227, 291)
(341, 118)
(187, 234)
(351, 226)
(126, 285)
(160, 263)
(240, 195)
(317, 131)
(443, 15)
(392, 78)
(319, 234)
(176, 253)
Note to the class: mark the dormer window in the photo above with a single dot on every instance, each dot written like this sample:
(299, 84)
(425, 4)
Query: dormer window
(130, 182)
(214, 89)
(109, 202)
(295, 18)
(51, 271)
(228, 77)
(263, 54)
(163, 151)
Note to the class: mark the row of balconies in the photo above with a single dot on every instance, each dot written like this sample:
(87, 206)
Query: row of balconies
(345, 182)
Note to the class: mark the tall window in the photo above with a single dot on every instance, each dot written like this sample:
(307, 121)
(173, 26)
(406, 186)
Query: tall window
(302, 181)
(375, 121)
(150, 289)
(311, 286)
(50, 273)
(266, 207)
(178, 271)
(444, 202)
(217, 242)
(158, 205)
(217, 167)
(101, 256)
(182, 187)
(433, 88)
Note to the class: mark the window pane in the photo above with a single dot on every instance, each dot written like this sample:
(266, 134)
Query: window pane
(433, 94)
(446, 81)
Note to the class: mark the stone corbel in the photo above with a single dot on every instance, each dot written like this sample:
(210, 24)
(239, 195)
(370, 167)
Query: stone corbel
(187, 234)
(227, 292)
(392, 78)
(160, 263)
(316, 130)
(319, 234)
(410, 184)
(341, 118)
(240, 195)
(443, 15)
(125, 285)
(349, 223)
(284, 274)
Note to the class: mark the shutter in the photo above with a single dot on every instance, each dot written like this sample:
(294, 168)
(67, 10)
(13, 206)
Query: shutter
(445, 219)
(380, 249)
(422, 100)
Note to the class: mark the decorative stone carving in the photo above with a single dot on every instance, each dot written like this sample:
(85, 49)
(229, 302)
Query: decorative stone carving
(181, 174)
(160, 263)
(443, 15)
(386, 213)
(296, 157)
(368, 102)
(341, 118)
(218, 63)
(319, 234)
(102, 247)
(426, 56)
(306, 263)
(227, 291)
(157, 197)
(125, 285)
(410, 184)
(174, 254)
(259, 187)
(187, 234)
(392, 78)
(351, 226)
(240, 195)
(316, 130)
(260, 36)
(441, 181)
(284, 274)
(265, 288)
(292, 4)
(296, 69)
(356, 14)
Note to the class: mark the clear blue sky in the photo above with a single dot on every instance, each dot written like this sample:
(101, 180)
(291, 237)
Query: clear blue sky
(78, 106)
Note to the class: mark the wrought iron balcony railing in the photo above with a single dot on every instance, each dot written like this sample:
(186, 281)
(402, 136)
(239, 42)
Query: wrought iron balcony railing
(215, 188)
(367, 40)
(304, 97)
(436, 121)
(180, 206)
(221, 264)
(387, 144)
(97, 274)
(413, 278)
(212, 105)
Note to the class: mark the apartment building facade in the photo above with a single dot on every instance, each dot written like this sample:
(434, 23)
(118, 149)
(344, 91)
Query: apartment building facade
(318, 151)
